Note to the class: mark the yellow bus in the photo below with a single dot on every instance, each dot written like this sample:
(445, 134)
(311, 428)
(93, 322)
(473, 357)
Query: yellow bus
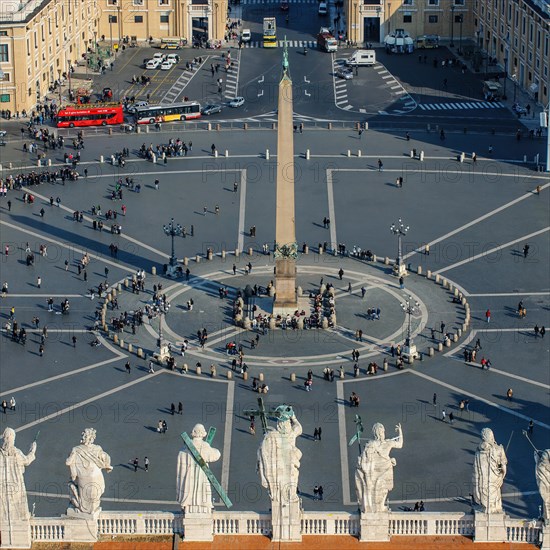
(270, 32)
(172, 43)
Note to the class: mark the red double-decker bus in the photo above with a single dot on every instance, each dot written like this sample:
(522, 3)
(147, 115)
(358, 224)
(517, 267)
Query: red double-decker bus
(98, 114)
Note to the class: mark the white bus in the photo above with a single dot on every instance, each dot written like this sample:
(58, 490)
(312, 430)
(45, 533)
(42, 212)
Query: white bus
(172, 112)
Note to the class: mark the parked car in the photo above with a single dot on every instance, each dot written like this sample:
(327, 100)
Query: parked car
(211, 109)
(152, 64)
(166, 65)
(322, 10)
(344, 73)
(246, 35)
(3, 133)
(237, 102)
(160, 56)
(132, 108)
(173, 57)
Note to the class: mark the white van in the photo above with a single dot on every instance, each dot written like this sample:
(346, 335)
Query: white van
(322, 8)
(246, 35)
(362, 57)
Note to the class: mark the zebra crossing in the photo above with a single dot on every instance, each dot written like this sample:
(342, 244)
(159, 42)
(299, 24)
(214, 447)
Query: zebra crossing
(461, 105)
(177, 88)
(232, 78)
(311, 44)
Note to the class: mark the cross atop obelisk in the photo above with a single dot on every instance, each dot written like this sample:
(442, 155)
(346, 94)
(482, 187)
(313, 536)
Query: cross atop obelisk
(286, 247)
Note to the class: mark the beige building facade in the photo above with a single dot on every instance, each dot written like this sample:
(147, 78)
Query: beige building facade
(39, 41)
(157, 19)
(517, 34)
(371, 20)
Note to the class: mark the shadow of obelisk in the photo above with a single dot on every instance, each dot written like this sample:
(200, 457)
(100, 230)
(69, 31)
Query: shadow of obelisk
(286, 247)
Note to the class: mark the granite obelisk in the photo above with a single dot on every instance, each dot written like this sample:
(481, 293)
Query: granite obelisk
(286, 247)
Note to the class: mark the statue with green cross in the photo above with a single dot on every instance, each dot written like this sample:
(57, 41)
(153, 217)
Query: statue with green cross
(195, 480)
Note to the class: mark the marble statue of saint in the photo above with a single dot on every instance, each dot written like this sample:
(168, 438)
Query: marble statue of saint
(279, 459)
(489, 472)
(13, 495)
(87, 484)
(193, 489)
(374, 473)
(542, 472)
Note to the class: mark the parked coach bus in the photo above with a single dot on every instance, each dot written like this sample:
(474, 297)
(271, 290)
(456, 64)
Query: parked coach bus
(151, 114)
(98, 114)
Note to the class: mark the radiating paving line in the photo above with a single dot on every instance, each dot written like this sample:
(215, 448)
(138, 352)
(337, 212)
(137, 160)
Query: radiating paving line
(477, 220)
(492, 250)
(479, 398)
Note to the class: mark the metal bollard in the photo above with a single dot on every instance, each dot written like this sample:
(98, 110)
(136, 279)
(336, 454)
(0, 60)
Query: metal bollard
(359, 153)
(186, 261)
(293, 377)
(261, 377)
(140, 352)
(230, 375)
(226, 153)
(421, 156)
(197, 259)
(428, 274)
(419, 270)
(153, 270)
(130, 348)
(199, 371)
(101, 159)
(250, 251)
(349, 153)
(121, 343)
(307, 154)
(267, 154)
(216, 154)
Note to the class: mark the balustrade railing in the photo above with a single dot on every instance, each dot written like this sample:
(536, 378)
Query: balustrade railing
(312, 523)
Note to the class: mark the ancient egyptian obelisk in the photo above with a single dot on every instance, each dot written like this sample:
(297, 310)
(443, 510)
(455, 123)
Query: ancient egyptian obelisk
(286, 248)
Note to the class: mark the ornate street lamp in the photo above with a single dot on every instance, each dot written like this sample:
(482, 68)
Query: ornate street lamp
(400, 230)
(453, 7)
(460, 39)
(172, 230)
(410, 308)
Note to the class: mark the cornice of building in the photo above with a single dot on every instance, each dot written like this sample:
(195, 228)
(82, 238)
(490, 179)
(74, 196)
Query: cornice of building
(14, 11)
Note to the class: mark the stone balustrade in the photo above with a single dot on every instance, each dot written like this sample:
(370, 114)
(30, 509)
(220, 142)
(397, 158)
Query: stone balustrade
(312, 523)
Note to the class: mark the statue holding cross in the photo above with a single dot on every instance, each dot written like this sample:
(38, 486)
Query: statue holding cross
(194, 477)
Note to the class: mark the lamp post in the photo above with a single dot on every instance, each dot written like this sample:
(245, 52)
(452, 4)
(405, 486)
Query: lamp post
(452, 45)
(111, 31)
(505, 76)
(461, 20)
(400, 230)
(515, 81)
(410, 308)
(172, 230)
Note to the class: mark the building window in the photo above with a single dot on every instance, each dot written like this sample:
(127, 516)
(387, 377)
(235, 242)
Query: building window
(3, 33)
(6, 77)
(111, 2)
(164, 18)
(407, 19)
(164, 2)
(113, 19)
(531, 30)
(433, 2)
(138, 19)
(458, 18)
(4, 98)
(432, 18)
(517, 19)
(407, 2)
(138, 2)
(4, 56)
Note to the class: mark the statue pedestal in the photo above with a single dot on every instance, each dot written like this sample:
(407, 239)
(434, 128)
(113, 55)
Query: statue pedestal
(489, 527)
(545, 537)
(197, 526)
(375, 527)
(15, 534)
(286, 522)
(80, 527)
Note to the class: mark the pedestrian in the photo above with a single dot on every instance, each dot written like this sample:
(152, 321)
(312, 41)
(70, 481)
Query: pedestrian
(136, 464)
(319, 432)
(315, 492)
(74, 341)
(530, 427)
(127, 367)
(360, 132)
(509, 394)
(66, 265)
(4, 406)
(349, 287)
(41, 350)
(315, 434)
(12, 403)
(380, 165)
(451, 417)
(39, 281)
(151, 367)
(180, 408)
(525, 250)
(401, 282)
(9, 206)
(542, 331)
(488, 315)
(434, 400)
(340, 273)
(157, 184)
(172, 409)
(363, 291)
(252, 428)
(537, 331)
(146, 464)
(164, 427)
(490, 149)
(320, 491)
(443, 415)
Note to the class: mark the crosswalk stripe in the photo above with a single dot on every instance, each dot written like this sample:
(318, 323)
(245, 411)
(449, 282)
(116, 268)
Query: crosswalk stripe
(461, 105)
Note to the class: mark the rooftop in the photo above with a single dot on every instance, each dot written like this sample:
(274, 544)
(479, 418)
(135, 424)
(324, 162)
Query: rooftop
(18, 11)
